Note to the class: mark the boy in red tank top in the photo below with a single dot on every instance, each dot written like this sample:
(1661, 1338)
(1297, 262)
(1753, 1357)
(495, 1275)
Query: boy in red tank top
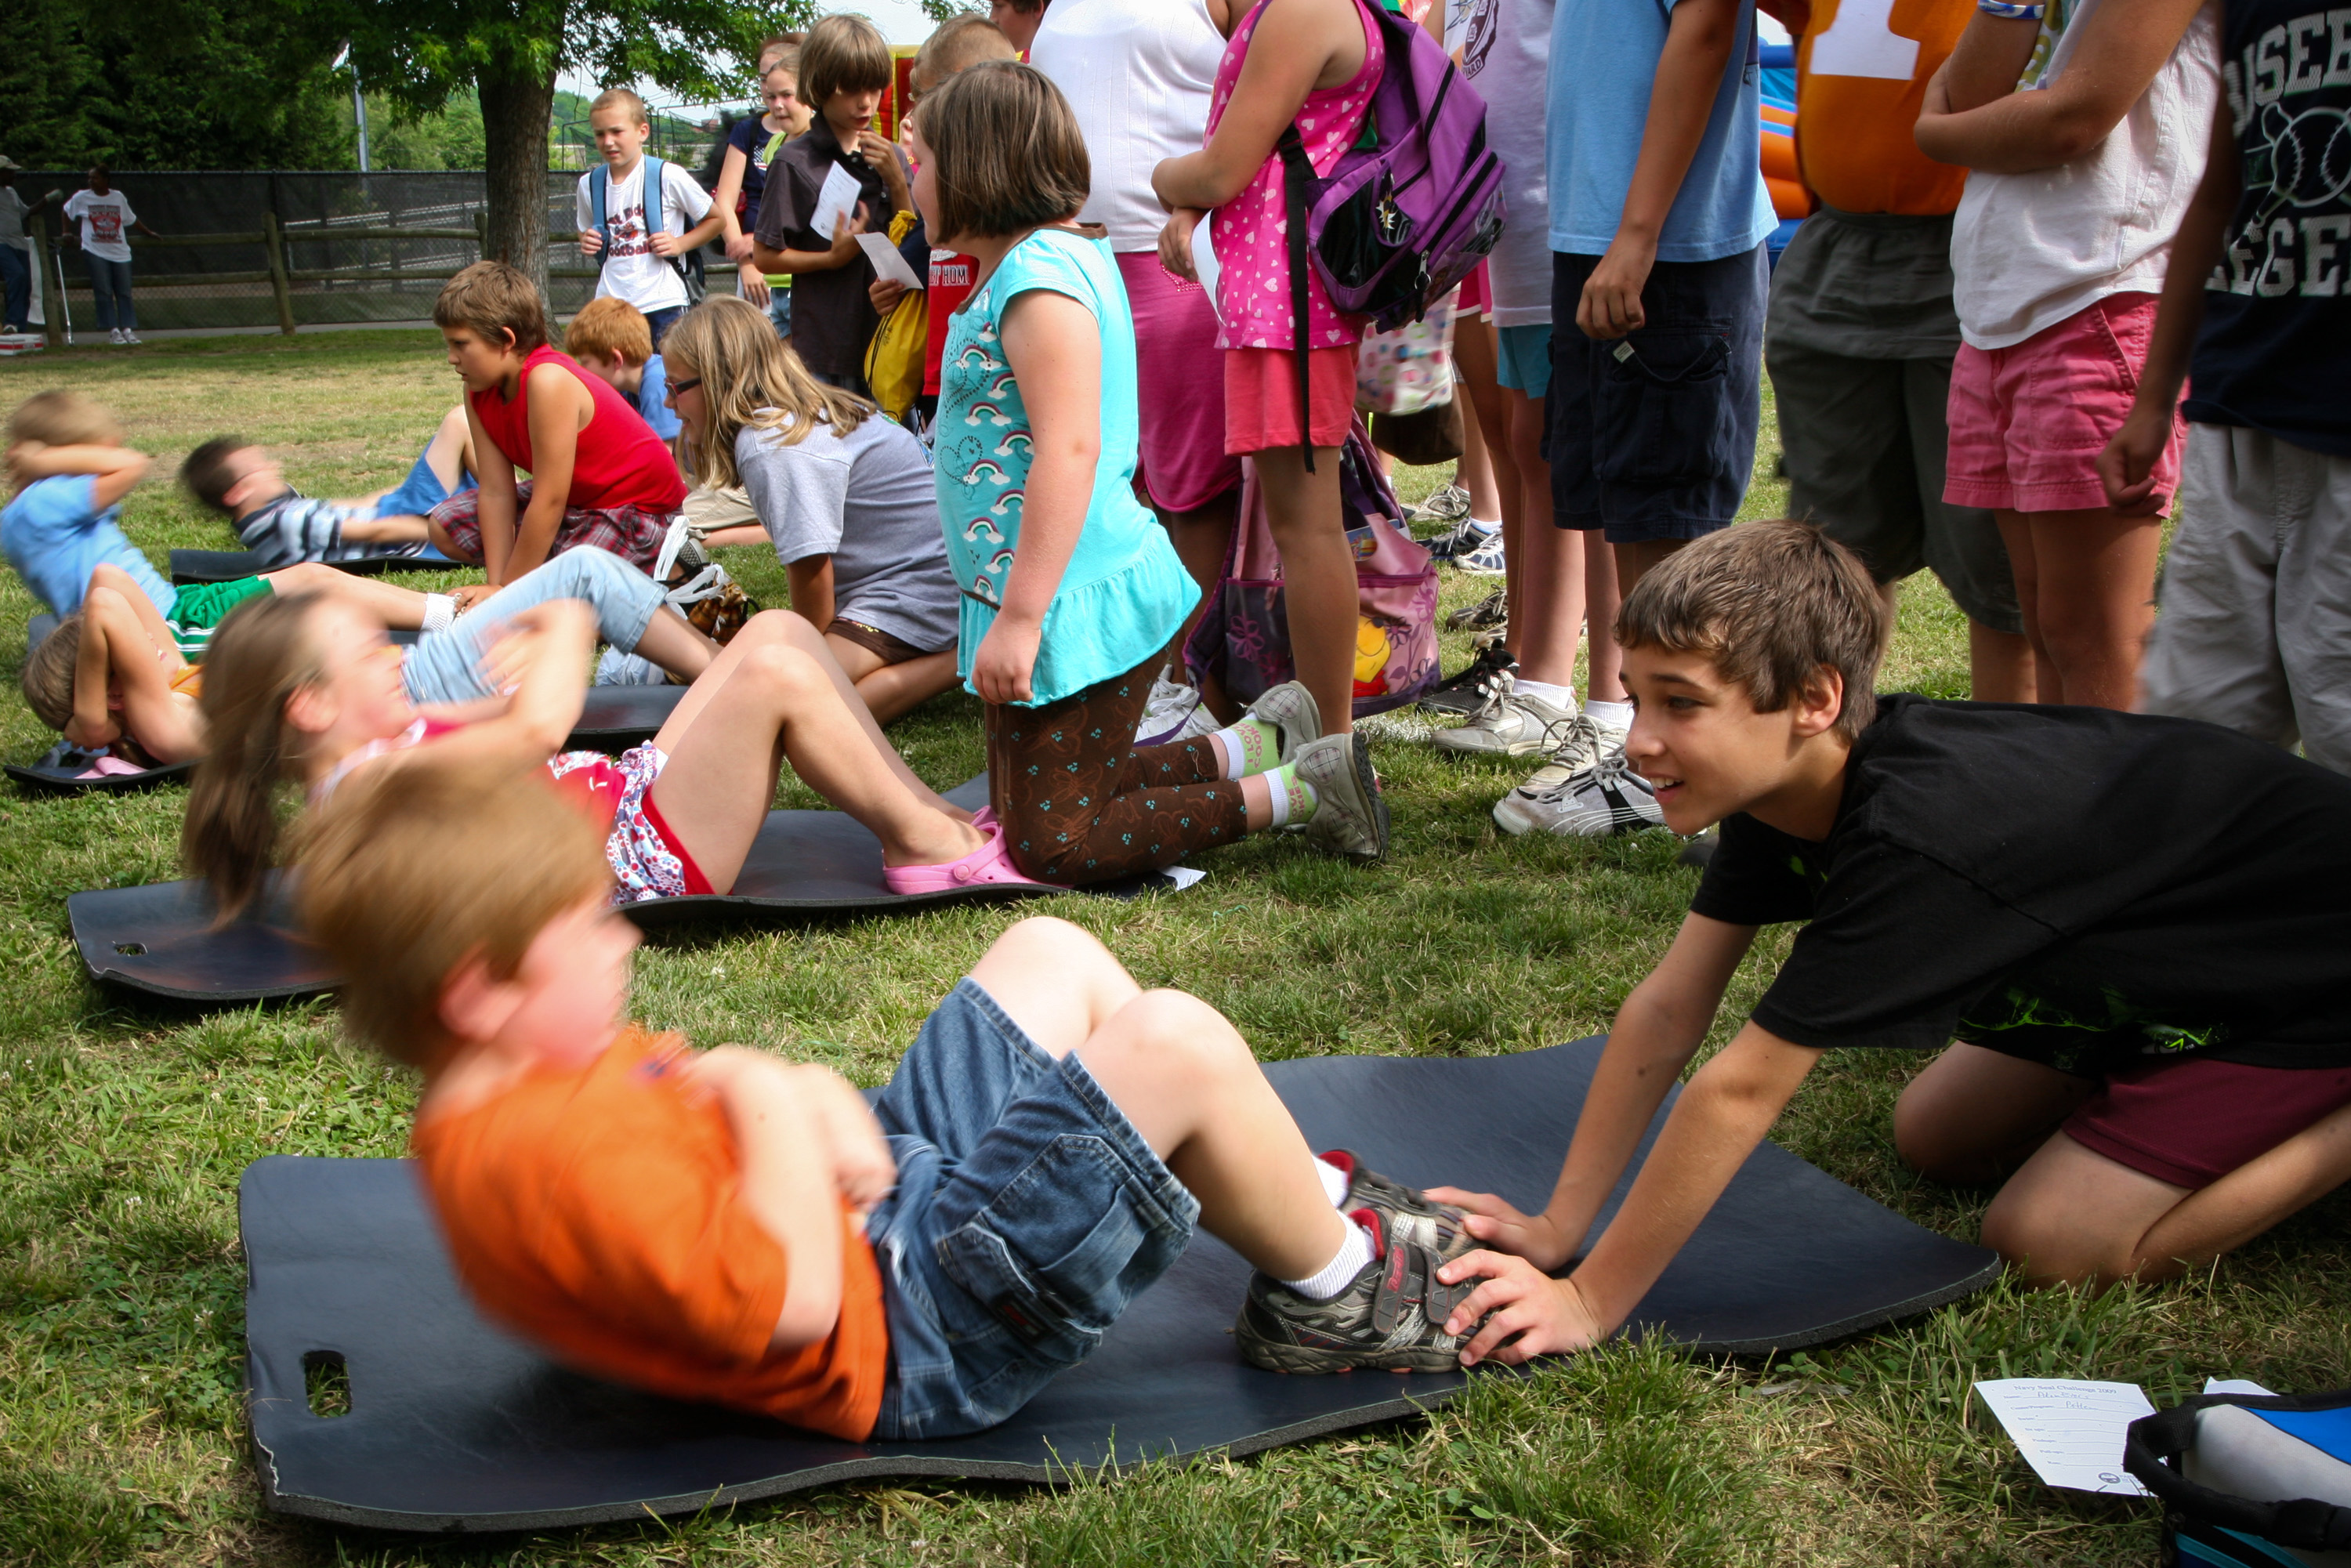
(598, 475)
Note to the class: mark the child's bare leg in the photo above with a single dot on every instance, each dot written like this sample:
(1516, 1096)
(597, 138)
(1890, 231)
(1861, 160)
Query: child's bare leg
(1302, 510)
(399, 608)
(1974, 1116)
(671, 641)
(1183, 1075)
(116, 647)
(775, 693)
(135, 598)
(889, 690)
(450, 453)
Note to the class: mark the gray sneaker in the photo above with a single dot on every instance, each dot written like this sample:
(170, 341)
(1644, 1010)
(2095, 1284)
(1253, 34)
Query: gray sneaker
(1582, 745)
(1291, 709)
(1509, 722)
(1448, 504)
(1166, 711)
(1409, 1214)
(1349, 817)
(1593, 804)
(1490, 611)
(1392, 1318)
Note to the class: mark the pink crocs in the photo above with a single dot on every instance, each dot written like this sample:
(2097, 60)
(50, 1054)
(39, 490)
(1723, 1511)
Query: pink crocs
(984, 865)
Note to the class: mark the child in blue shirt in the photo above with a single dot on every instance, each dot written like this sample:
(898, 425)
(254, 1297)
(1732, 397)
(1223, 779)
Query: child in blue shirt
(1070, 589)
(613, 341)
(70, 470)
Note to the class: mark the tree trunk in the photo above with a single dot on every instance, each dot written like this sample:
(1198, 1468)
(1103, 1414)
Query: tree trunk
(516, 110)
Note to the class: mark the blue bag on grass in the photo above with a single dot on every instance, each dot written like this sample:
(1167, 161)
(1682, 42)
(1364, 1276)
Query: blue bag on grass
(2251, 1479)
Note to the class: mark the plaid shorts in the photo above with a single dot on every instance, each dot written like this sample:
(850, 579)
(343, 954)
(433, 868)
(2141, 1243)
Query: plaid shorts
(632, 533)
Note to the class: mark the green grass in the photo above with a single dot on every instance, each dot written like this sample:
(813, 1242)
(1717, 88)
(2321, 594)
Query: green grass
(123, 1127)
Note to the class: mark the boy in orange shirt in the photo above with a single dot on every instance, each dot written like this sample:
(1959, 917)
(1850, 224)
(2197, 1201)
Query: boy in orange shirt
(724, 1225)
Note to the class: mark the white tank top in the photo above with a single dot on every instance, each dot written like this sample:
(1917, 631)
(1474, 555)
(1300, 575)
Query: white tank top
(1139, 74)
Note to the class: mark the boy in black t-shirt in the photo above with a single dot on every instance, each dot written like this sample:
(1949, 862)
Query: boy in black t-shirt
(2257, 304)
(2132, 927)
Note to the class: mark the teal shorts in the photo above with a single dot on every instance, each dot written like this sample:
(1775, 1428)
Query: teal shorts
(198, 609)
(1522, 358)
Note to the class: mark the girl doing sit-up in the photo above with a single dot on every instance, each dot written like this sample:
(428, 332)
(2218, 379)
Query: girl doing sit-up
(304, 688)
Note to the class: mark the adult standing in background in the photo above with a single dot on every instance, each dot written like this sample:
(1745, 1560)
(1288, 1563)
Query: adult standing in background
(1139, 74)
(1021, 18)
(16, 249)
(107, 221)
(1861, 330)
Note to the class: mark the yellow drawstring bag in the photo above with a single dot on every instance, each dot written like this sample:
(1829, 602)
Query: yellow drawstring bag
(894, 360)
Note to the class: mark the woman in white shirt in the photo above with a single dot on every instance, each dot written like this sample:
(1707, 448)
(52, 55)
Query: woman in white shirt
(107, 221)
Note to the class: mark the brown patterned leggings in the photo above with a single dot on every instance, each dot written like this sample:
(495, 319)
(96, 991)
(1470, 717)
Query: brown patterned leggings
(1080, 804)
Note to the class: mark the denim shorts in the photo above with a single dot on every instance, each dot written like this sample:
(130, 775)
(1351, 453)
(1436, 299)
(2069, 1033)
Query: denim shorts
(1652, 436)
(1028, 1213)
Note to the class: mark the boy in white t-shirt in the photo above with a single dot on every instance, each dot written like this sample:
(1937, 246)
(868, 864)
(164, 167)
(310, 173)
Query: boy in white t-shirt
(107, 221)
(642, 254)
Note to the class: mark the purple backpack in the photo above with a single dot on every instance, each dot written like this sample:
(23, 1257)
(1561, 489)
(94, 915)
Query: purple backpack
(1409, 211)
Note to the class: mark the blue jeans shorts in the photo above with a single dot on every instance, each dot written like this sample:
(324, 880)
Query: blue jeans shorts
(447, 667)
(1028, 1213)
(1652, 436)
(1522, 358)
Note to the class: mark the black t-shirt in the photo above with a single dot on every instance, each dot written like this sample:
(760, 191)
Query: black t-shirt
(2079, 887)
(2277, 322)
(751, 136)
(832, 318)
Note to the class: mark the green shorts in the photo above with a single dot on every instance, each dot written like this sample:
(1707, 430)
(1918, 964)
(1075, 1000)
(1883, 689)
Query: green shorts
(198, 609)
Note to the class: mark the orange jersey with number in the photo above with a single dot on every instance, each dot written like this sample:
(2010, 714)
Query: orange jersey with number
(1861, 67)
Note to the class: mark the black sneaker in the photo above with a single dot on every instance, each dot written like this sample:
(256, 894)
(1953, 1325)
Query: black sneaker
(1407, 1212)
(1466, 691)
(1392, 1318)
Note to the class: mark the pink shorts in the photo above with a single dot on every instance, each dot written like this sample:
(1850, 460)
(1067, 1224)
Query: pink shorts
(1476, 295)
(1261, 397)
(1184, 465)
(2029, 421)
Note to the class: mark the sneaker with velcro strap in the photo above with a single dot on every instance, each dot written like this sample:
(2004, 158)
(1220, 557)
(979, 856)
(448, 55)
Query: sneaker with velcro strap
(1607, 798)
(1392, 1318)
(1410, 1214)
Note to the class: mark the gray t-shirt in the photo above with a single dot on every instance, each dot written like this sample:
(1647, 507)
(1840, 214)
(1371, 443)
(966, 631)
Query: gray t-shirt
(12, 218)
(867, 500)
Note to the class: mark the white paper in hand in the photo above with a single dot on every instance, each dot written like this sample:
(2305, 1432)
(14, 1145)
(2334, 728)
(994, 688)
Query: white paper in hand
(835, 200)
(1205, 265)
(2070, 1432)
(888, 265)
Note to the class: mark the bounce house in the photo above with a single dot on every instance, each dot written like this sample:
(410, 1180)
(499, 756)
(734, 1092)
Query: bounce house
(1789, 197)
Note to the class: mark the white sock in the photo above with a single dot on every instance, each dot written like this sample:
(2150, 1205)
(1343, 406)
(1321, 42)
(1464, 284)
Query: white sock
(1616, 715)
(1339, 1273)
(1334, 1181)
(1483, 526)
(440, 612)
(1558, 697)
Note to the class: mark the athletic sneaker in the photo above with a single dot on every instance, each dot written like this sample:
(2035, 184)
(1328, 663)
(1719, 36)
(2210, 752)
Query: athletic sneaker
(1486, 560)
(114, 335)
(1295, 716)
(130, 334)
(1593, 804)
(1580, 747)
(1465, 691)
(1449, 505)
(1349, 817)
(1392, 1318)
(619, 669)
(1409, 1214)
(1463, 537)
(1509, 722)
(1490, 611)
(1170, 708)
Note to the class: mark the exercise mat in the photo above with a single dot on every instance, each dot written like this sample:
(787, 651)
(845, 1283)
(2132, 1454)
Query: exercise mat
(228, 565)
(60, 772)
(614, 718)
(454, 1424)
(161, 938)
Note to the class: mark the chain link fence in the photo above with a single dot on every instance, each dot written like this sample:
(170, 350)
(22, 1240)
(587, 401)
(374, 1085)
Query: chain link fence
(278, 248)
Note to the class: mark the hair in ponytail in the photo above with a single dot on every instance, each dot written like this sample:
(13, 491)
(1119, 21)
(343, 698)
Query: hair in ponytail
(260, 658)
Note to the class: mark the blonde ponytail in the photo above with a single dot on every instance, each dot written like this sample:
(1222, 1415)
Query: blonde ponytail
(260, 658)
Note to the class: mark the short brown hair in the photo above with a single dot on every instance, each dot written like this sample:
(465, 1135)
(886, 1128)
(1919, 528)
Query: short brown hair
(959, 42)
(48, 678)
(1007, 151)
(379, 894)
(610, 328)
(64, 419)
(207, 473)
(491, 298)
(1771, 604)
(623, 97)
(843, 53)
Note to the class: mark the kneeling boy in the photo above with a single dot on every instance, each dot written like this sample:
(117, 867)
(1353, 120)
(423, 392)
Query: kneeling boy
(724, 1225)
(2132, 926)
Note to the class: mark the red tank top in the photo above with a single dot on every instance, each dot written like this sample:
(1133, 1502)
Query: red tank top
(619, 461)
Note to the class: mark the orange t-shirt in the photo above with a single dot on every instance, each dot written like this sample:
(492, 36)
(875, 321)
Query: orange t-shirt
(1861, 67)
(593, 1210)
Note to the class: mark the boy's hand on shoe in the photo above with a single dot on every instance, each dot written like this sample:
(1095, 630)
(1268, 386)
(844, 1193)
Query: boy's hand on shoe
(1611, 306)
(1527, 1312)
(1007, 658)
(2126, 466)
(1535, 1238)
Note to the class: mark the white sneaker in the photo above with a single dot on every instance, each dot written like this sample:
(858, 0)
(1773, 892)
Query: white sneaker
(1169, 712)
(114, 335)
(1486, 560)
(1607, 798)
(1584, 744)
(130, 334)
(619, 669)
(1509, 722)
